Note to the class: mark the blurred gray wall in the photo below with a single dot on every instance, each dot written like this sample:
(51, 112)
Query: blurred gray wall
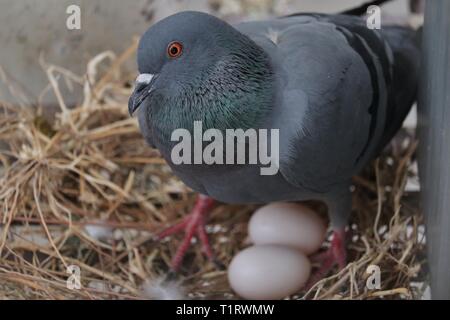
(30, 28)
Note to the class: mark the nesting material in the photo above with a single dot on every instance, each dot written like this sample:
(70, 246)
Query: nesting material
(90, 166)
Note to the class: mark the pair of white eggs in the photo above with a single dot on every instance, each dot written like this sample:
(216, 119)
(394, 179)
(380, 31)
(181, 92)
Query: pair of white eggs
(277, 266)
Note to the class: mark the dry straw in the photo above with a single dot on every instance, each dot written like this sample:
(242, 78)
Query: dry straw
(84, 189)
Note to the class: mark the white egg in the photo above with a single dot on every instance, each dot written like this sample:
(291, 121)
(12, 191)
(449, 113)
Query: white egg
(290, 224)
(268, 272)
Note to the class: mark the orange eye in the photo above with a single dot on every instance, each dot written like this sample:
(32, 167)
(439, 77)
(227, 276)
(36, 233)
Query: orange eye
(174, 49)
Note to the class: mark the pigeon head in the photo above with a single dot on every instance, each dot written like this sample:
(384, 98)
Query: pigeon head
(195, 67)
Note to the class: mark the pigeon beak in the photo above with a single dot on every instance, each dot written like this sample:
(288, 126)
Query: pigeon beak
(143, 87)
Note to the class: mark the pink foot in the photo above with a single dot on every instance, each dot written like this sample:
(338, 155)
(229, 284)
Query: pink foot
(335, 255)
(192, 224)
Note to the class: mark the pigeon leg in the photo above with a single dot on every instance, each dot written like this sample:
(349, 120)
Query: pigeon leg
(192, 224)
(339, 208)
(335, 255)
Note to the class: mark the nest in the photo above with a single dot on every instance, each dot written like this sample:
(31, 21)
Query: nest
(85, 190)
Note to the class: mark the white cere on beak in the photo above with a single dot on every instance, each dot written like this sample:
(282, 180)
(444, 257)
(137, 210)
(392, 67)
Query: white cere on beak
(144, 78)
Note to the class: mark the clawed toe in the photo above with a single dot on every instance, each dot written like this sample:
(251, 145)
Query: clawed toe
(192, 225)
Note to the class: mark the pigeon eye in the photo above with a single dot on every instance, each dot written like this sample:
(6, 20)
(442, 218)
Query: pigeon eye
(174, 49)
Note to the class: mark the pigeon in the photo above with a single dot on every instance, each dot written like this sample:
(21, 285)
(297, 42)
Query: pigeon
(335, 90)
